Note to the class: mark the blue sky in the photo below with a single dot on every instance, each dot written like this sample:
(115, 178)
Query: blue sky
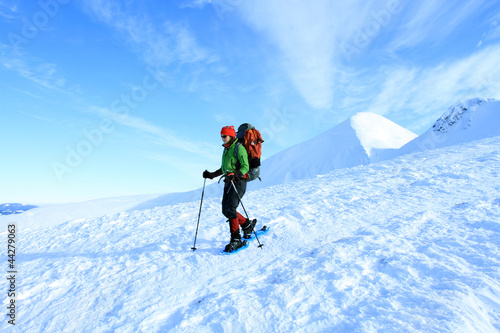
(105, 98)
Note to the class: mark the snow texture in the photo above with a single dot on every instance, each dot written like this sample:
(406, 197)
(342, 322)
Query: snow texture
(407, 245)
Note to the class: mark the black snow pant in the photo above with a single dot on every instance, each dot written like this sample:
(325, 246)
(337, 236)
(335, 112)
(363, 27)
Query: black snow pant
(230, 200)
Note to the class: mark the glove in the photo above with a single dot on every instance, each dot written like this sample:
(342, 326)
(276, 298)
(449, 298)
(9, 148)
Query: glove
(212, 175)
(236, 175)
(207, 174)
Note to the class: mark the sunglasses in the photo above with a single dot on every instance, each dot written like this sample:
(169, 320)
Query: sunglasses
(223, 136)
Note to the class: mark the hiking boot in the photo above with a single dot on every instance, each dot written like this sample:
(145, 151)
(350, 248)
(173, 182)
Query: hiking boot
(248, 227)
(234, 244)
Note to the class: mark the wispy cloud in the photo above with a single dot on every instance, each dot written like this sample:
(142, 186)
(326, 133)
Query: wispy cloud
(196, 3)
(310, 38)
(432, 21)
(158, 134)
(160, 44)
(414, 94)
(307, 59)
(35, 116)
(9, 9)
(34, 69)
(493, 32)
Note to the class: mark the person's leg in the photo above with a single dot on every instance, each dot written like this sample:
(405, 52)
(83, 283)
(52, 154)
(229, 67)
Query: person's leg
(230, 202)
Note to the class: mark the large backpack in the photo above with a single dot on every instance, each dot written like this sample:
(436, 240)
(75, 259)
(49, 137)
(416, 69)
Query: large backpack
(251, 139)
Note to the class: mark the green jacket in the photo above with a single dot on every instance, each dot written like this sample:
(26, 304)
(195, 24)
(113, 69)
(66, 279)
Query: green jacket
(229, 161)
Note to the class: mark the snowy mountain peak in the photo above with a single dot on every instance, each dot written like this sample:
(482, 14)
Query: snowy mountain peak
(466, 121)
(348, 144)
(377, 132)
(458, 115)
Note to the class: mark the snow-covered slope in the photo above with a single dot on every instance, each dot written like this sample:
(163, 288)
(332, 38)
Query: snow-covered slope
(346, 145)
(407, 245)
(51, 215)
(465, 121)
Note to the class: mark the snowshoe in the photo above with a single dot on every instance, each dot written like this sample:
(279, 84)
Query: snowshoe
(248, 227)
(234, 245)
(264, 230)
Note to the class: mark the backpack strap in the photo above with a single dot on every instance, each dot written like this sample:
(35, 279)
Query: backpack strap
(236, 150)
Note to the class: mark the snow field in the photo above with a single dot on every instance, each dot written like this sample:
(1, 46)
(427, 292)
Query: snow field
(407, 245)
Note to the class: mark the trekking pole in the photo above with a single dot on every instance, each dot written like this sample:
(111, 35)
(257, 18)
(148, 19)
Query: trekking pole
(199, 214)
(239, 198)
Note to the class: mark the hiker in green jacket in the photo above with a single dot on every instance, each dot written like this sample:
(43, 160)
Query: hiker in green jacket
(234, 167)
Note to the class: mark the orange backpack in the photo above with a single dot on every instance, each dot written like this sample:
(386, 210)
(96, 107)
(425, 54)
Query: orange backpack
(252, 140)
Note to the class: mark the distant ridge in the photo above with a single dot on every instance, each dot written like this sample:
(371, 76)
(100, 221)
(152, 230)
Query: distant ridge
(14, 208)
(466, 121)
